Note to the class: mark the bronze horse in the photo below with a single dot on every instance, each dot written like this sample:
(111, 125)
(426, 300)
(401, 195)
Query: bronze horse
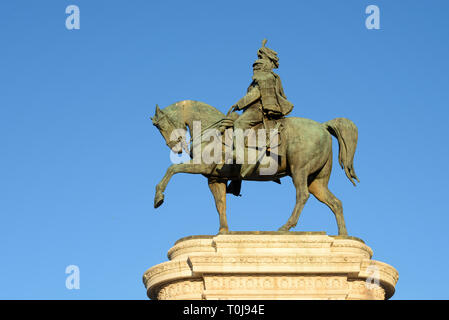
(305, 154)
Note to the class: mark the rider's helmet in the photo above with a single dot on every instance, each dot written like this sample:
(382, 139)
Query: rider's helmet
(265, 53)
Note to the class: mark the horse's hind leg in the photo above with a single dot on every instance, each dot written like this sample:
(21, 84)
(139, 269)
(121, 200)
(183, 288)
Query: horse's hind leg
(319, 189)
(218, 189)
(299, 178)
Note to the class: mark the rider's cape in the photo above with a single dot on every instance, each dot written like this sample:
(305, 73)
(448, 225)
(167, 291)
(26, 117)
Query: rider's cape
(274, 101)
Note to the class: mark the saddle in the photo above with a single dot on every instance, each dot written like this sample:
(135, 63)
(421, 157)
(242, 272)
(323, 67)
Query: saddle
(271, 126)
(273, 129)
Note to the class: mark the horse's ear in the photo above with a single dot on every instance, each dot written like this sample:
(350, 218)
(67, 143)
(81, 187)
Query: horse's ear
(156, 114)
(157, 110)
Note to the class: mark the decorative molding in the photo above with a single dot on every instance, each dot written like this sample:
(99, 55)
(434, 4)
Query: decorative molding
(270, 267)
(275, 282)
(188, 290)
(362, 290)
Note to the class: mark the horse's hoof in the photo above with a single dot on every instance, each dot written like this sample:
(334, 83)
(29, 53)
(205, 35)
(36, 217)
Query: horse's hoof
(223, 231)
(284, 228)
(158, 200)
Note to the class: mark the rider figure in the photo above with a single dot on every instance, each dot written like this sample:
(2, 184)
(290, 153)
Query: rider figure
(265, 96)
(265, 99)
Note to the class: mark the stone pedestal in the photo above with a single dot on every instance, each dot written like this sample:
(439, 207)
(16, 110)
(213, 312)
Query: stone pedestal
(270, 265)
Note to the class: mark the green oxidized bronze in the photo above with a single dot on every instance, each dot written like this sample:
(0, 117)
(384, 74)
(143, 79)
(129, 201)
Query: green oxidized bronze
(302, 147)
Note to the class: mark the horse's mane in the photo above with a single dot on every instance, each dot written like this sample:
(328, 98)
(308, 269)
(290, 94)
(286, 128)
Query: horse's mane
(204, 107)
(208, 113)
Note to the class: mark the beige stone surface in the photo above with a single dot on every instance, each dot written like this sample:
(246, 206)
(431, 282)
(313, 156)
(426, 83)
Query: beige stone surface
(270, 265)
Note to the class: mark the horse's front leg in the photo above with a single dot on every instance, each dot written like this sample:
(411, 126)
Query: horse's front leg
(188, 167)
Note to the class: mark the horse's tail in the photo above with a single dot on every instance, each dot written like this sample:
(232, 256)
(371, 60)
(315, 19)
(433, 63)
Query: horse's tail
(346, 133)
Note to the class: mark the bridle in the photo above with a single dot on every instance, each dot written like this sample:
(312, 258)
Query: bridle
(170, 144)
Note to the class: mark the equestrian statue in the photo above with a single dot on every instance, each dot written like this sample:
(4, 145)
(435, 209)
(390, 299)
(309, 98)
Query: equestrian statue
(290, 146)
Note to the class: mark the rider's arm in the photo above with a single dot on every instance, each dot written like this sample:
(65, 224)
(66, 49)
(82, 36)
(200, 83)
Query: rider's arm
(252, 96)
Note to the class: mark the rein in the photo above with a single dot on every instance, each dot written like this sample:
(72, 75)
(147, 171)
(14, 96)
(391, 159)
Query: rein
(170, 144)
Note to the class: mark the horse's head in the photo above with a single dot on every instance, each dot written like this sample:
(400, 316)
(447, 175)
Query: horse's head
(173, 133)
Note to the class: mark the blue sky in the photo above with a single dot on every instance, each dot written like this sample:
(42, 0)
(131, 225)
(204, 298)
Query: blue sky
(79, 156)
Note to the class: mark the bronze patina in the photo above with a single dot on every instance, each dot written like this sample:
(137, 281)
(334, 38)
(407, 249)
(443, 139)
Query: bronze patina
(303, 151)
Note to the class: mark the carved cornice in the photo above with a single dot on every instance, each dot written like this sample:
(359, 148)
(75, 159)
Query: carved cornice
(263, 266)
